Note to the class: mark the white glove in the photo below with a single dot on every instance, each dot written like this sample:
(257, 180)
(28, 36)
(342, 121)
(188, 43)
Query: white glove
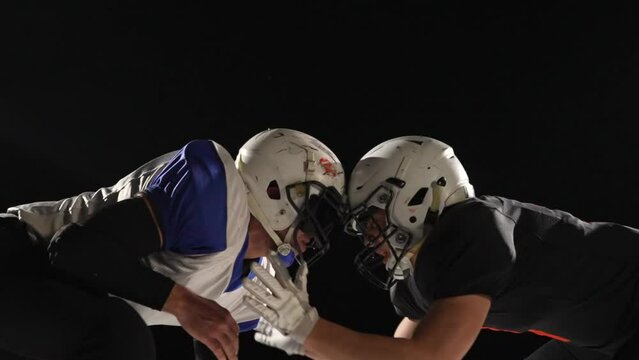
(266, 334)
(281, 302)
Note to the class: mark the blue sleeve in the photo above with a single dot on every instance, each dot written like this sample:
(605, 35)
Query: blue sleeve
(248, 325)
(189, 196)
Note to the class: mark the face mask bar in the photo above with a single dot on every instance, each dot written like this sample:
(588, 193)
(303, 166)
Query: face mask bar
(319, 210)
(362, 224)
(371, 266)
(358, 219)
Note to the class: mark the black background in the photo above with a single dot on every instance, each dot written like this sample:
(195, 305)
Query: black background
(538, 101)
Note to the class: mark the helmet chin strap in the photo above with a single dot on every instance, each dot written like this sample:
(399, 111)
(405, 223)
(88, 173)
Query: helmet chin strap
(400, 270)
(404, 268)
(288, 240)
(284, 248)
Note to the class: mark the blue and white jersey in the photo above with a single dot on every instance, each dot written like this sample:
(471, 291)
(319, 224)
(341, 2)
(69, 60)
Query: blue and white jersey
(200, 201)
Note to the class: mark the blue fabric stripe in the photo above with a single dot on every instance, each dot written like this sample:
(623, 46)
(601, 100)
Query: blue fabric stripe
(236, 276)
(189, 195)
(286, 261)
(248, 325)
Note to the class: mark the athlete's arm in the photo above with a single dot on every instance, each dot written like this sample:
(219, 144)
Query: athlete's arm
(104, 253)
(447, 332)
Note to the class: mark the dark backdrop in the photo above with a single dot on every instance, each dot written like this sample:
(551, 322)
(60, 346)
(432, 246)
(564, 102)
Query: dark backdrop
(538, 100)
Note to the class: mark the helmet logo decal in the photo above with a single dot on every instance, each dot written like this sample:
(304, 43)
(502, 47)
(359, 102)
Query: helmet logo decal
(328, 166)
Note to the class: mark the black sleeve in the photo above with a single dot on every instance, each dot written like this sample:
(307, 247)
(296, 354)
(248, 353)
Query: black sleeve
(405, 304)
(474, 255)
(104, 253)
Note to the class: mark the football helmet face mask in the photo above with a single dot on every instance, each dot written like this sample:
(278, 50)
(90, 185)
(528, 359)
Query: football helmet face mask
(295, 183)
(371, 223)
(411, 179)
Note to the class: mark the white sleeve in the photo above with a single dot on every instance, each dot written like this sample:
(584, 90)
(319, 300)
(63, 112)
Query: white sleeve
(44, 218)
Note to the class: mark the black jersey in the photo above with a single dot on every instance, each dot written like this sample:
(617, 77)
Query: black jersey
(546, 270)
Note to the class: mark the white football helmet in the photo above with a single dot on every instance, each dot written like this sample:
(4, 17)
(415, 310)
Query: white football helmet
(412, 178)
(294, 182)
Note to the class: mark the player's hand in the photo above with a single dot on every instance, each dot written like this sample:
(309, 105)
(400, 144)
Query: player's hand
(280, 301)
(266, 334)
(205, 321)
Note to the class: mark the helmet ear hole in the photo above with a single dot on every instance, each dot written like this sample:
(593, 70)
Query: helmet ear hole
(419, 196)
(273, 190)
